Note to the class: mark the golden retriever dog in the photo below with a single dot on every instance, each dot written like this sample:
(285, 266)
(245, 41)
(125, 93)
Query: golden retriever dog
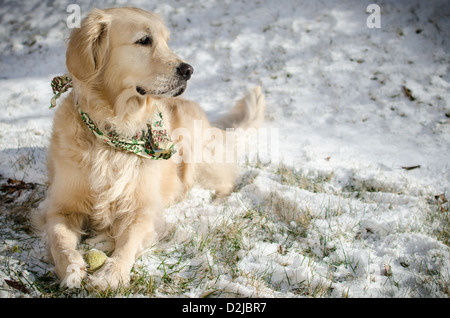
(122, 70)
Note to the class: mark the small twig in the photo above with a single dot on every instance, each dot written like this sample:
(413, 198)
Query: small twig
(411, 167)
(408, 93)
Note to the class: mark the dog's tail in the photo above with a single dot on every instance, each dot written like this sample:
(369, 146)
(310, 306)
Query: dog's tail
(247, 113)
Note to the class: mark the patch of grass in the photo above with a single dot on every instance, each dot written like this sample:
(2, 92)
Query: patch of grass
(246, 178)
(287, 211)
(439, 217)
(310, 181)
(18, 199)
(359, 186)
(319, 290)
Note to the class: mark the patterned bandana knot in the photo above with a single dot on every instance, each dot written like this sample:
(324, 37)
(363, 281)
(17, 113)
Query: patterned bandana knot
(155, 143)
(60, 84)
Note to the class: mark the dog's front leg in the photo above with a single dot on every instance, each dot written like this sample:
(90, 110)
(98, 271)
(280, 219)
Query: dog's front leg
(63, 239)
(116, 270)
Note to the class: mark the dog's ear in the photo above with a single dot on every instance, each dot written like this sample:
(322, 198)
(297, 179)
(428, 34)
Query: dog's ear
(88, 46)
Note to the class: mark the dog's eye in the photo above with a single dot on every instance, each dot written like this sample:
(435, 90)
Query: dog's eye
(146, 41)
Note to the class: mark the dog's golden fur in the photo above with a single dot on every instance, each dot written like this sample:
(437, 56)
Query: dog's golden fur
(119, 75)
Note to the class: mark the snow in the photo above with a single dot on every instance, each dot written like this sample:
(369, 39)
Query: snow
(336, 95)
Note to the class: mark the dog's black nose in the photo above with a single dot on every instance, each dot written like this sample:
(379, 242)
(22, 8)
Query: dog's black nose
(185, 71)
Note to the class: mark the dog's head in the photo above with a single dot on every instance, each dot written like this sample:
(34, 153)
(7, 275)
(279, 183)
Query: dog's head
(125, 51)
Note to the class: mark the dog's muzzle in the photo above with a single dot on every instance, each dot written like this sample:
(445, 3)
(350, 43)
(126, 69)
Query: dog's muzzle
(184, 72)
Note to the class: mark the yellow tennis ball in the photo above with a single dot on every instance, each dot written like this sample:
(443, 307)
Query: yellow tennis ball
(95, 259)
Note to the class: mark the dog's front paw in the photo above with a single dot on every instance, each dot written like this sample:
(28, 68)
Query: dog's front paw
(111, 275)
(75, 273)
(70, 268)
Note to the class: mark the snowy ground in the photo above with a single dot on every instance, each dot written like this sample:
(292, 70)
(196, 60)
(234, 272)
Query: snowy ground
(337, 215)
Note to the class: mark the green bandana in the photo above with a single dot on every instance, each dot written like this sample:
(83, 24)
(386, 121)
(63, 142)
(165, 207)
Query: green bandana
(154, 143)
